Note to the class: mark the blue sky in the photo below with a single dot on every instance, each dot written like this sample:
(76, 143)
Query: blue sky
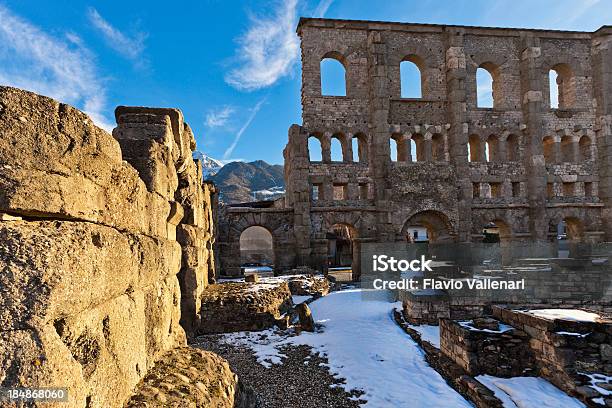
(204, 57)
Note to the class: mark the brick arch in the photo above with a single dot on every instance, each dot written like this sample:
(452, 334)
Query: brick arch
(235, 223)
(349, 58)
(439, 226)
(349, 218)
(427, 59)
(499, 218)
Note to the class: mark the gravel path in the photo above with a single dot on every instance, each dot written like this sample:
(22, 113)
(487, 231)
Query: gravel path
(300, 381)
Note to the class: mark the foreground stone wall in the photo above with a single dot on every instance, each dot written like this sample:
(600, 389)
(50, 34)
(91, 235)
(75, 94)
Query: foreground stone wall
(89, 255)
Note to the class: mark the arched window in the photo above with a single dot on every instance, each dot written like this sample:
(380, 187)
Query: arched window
(411, 79)
(393, 148)
(567, 153)
(333, 77)
(554, 89)
(413, 150)
(585, 148)
(473, 148)
(485, 86)
(399, 148)
(360, 148)
(315, 150)
(548, 146)
(437, 148)
(513, 148)
(492, 149)
(336, 148)
(562, 86)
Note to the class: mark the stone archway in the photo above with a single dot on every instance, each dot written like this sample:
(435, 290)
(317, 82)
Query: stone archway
(343, 250)
(431, 226)
(257, 249)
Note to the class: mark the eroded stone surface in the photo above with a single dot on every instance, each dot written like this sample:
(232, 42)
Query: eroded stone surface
(90, 289)
(240, 306)
(189, 377)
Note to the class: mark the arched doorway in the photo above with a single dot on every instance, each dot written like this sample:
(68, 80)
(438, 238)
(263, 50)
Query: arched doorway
(256, 251)
(342, 252)
(427, 226)
(566, 232)
(496, 231)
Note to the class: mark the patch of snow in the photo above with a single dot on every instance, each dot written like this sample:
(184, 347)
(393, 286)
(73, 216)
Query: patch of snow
(597, 379)
(528, 392)
(564, 333)
(468, 324)
(254, 269)
(363, 345)
(221, 280)
(297, 299)
(428, 333)
(565, 314)
(256, 287)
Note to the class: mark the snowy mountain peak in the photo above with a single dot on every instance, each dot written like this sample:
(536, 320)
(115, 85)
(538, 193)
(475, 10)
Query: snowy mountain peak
(210, 166)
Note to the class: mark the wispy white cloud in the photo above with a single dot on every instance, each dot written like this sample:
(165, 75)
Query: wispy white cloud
(230, 149)
(130, 47)
(268, 50)
(219, 117)
(578, 9)
(322, 8)
(58, 67)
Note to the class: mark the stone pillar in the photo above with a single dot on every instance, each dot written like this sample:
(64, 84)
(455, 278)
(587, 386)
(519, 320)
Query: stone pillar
(557, 149)
(408, 147)
(326, 148)
(347, 148)
(532, 104)
(427, 148)
(458, 131)
(575, 149)
(602, 89)
(298, 189)
(379, 105)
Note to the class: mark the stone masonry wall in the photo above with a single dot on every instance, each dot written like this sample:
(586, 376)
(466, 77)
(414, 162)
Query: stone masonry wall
(89, 256)
(441, 161)
(564, 348)
(158, 143)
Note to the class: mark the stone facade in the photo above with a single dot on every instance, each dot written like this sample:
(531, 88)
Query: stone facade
(544, 165)
(105, 246)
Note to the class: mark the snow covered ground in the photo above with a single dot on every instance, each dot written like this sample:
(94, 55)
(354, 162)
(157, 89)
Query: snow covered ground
(365, 346)
(428, 333)
(566, 314)
(528, 392)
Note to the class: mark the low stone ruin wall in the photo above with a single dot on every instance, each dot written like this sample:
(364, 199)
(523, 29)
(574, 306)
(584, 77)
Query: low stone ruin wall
(481, 346)
(572, 355)
(89, 256)
(240, 306)
(563, 348)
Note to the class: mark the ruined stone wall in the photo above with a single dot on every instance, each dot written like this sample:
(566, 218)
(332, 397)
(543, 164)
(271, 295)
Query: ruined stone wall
(545, 165)
(94, 231)
(530, 166)
(159, 144)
